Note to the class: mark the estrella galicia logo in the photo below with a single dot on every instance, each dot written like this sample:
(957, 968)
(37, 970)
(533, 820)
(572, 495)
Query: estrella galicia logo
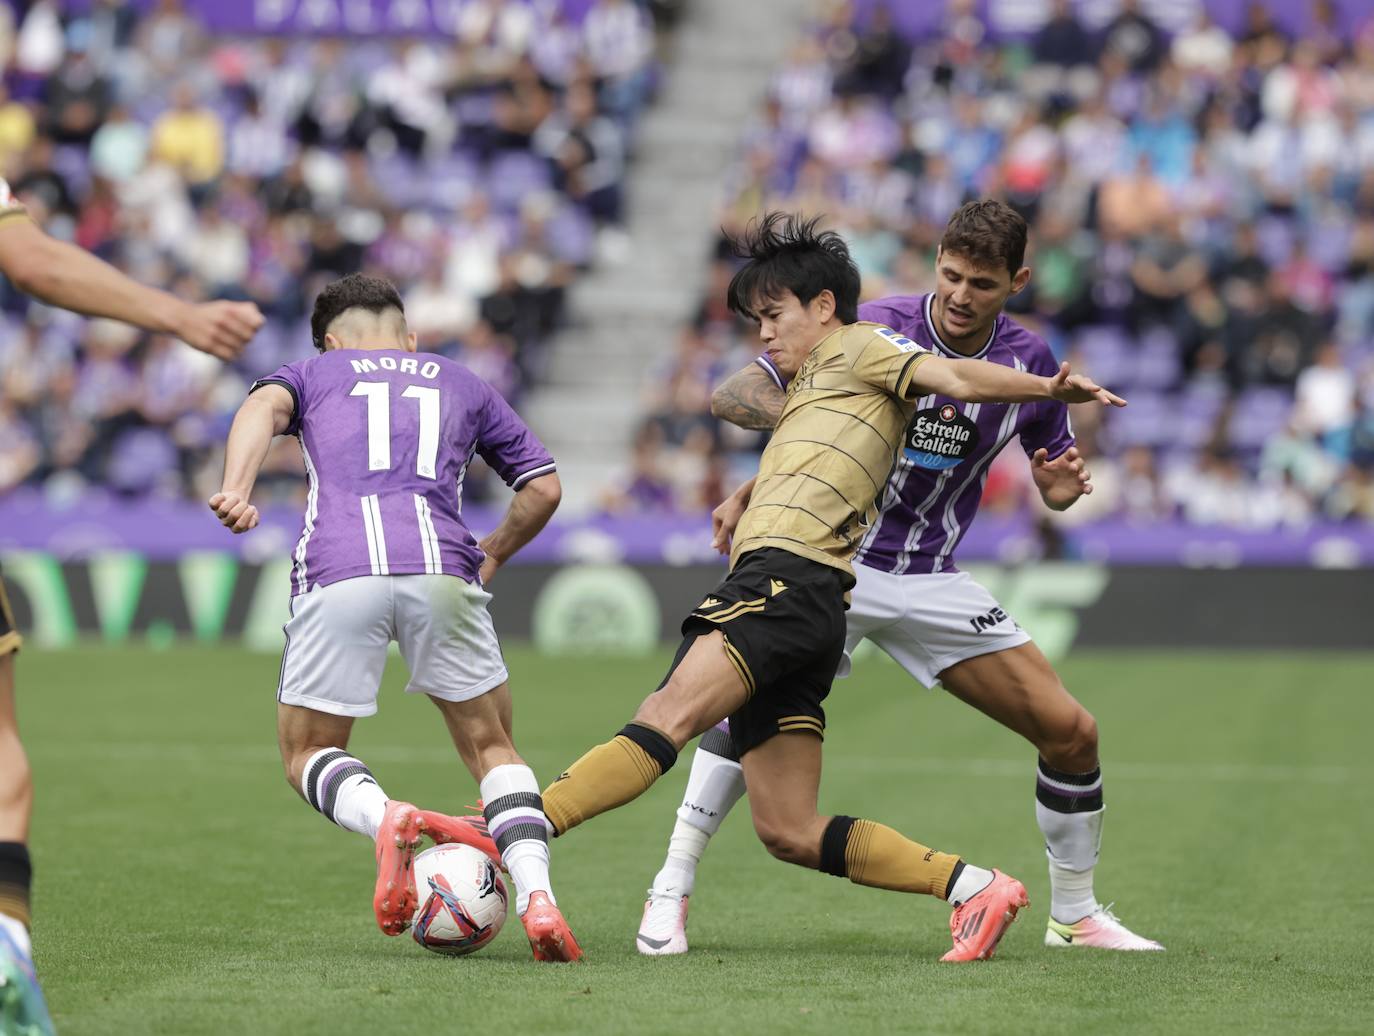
(940, 438)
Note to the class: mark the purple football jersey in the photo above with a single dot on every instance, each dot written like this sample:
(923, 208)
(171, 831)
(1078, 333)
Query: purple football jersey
(387, 436)
(936, 486)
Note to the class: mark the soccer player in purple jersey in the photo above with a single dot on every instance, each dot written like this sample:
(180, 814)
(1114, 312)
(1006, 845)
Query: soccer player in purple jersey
(384, 555)
(911, 600)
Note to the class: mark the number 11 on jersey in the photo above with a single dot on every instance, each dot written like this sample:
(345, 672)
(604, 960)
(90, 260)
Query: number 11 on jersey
(378, 395)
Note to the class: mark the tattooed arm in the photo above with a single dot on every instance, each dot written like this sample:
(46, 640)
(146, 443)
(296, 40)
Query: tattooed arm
(749, 398)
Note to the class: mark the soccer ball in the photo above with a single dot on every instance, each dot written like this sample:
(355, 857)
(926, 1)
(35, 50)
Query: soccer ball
(462, 900)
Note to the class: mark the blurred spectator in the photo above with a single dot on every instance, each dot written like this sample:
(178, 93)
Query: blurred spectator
(1325, 393)
(1063, 40)
(1134, 37)
(190, 138)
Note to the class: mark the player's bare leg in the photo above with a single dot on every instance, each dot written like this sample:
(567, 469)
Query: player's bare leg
(313, 750)
(22, 1007)
(515, 832)
(703, 688)
(1020, 689)
(783, 776)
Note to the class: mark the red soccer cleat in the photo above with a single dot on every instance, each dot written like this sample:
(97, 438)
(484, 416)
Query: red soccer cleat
(465, 830)
(979, 924)
(394, 899)
(550, 937)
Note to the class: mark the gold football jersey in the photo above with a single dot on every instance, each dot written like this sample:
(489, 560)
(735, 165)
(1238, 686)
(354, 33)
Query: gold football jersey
(834, 446)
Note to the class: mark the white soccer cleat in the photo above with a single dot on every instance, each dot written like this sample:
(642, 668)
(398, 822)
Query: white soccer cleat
(1101, 929)
(663, 928)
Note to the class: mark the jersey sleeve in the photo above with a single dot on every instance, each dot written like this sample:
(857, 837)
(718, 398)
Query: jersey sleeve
(1051, 430)
(888, 360)
(290, 376)
(508, 446)
(771, 370)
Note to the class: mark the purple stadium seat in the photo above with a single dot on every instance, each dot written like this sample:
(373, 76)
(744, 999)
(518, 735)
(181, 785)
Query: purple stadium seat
(1106, 355)
(1146, 422)
(73, 164)
(1259, 413)
(1157, 359)
(513, 176)
(448, 183)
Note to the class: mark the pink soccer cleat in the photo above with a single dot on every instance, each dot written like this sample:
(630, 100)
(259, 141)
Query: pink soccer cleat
(550, 937)
(394, 899)
(1101, 929)
(663, 928)
(979, 924)
(465, 830)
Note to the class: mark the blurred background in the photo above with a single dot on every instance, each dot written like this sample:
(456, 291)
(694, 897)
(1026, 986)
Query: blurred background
(548, 180)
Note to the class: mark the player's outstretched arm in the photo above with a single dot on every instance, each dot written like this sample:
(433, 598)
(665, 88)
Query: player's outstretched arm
(977, 381)
(749, 398)
(265, 413)
(530, 510)
(63, 275)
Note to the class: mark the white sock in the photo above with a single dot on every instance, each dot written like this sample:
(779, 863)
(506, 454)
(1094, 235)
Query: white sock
(714, 785)
(971, 881)
(16, 931)
(342, 788)
(679, 873)
(1073, 837)
(515, 817)
(1071, 893)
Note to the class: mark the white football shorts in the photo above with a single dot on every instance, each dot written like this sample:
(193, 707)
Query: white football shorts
(338, 635)
(926, 623)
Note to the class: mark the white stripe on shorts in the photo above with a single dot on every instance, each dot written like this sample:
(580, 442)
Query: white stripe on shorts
(376, 538)
(429, 539)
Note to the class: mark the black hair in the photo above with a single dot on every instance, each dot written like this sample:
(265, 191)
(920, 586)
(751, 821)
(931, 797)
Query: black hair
(786, 253)
(356, 291)
(988, 234)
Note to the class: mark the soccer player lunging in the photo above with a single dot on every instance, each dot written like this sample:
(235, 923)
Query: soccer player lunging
(762, 648)
(913, 602)
(384, 555)
(63, 275)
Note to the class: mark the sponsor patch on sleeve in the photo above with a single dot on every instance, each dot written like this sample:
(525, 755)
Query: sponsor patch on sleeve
(902, 342)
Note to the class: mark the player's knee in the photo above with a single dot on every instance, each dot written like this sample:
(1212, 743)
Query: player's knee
(1073, 746)
(16, 780)
(788, 843)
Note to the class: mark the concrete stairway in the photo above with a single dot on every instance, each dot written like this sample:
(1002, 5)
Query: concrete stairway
(625, 315)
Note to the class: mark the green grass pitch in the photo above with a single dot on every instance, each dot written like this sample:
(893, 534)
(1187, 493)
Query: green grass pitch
(182, 888)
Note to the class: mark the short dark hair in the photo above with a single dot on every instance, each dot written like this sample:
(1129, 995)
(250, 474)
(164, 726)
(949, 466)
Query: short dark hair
(787, 253)
(987, 234)
(356, 291)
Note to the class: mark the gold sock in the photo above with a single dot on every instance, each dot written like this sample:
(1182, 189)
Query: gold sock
(14, 902)
(16, 873)
(608, 776)
(878, 856)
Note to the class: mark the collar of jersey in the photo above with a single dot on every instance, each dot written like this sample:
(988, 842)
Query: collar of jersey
(954, 354)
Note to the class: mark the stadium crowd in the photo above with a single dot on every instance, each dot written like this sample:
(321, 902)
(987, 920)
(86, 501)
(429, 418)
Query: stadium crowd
(1202, 238)
(480, 172)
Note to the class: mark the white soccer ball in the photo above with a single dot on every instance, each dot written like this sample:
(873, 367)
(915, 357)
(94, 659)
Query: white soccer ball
(462, 900)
